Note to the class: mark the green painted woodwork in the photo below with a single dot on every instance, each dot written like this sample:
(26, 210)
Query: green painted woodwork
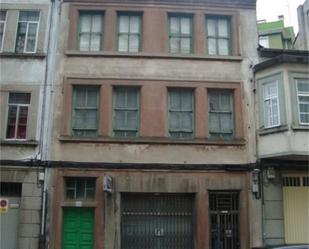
(78, 228)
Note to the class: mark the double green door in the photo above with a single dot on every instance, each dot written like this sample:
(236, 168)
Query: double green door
(78, 228)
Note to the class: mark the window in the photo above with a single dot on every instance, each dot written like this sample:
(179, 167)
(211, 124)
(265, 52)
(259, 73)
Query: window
(220, 106)
(218, 35)
(85, 111)
(180, 34)
(264, 41)
(129, 33)
(17, 115)
(10, 189)
(27, 31)
(80, 188)
(181, 113)
(303, 100)
(2, 27)
(271, 104)
(90, 33)
(126, 111)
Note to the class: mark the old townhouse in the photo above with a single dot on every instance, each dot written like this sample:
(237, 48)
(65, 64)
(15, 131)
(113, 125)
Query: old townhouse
(282, 87)
(24, 89)
(154, 133)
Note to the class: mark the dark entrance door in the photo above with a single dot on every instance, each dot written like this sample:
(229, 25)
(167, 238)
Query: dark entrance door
(156, 221)
(224, 218)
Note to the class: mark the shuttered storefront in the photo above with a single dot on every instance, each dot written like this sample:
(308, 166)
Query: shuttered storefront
(156, 221)
(295, 206)
(78, 228)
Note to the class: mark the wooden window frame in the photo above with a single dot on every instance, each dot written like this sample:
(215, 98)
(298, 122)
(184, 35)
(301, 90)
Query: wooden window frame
(101, 33)
(26, 35)
(217, 37)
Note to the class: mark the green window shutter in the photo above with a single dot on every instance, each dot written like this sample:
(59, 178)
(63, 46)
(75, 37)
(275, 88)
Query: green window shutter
(218, 35)
(181, 113)
(180, 34)
(85, 116)
(129, 33)
(90, 35)
(220, 106)
(126, 111)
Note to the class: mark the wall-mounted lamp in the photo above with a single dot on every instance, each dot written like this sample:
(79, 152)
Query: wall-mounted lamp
(256, 183)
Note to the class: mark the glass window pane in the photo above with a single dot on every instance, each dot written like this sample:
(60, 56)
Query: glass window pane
(174, 45)
(123, 43)
(303, 86)
(32, 29)
(30, 44)
(225, 101)
(174, 25)
(185, 45)
(91, 119)
(85, 23)
(79, 119)
(84, 40)
(80, 189)
(223, 28)
(186, 100)
(92, 97)
(22, 122)
(11, 123)
(185, 25)
(120, 97)
(304, 118)
(132, 98)
(134, 43)
(304, 108)
(21, 37)
(223, 46)
(174, 122)
(134, 24)
(226, 123)
(267, 113)
(95, 42)
(19, 98)
(33, 16)
(175, 100)
(132, 120)
(214, 101)
(80, 97)
(211, 27)
(211, 45)
(119, 120)
(303, 99)
(2, 15)
(186, 121)
(214, 122)
(124, 24)
(96, 23)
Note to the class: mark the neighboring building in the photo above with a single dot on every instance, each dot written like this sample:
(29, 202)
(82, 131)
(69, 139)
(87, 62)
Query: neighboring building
(24, 39)
(282, 83)
(275, 34)
(154, 98)
(302, 38)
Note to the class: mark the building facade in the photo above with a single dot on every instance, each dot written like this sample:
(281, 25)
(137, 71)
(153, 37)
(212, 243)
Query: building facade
(154, 132)
(282, 90)
(301, 40)
(24, 87)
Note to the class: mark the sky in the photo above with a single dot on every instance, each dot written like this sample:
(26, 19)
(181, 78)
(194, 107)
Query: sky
(271, 9)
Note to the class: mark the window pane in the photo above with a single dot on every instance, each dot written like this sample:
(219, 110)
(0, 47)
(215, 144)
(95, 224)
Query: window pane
(31, 38)
(79, 119)
(223, 46)
(185, 45)
(120, 96)
(186, 121)
(134, 43)
(21, 37)
(84, 40)
(119, 120)
(174, 121)
(91, 119)
(267, 113)
(123, 43)
(304, 118)
(85, 23)
(304, 107)
(211, 27)
(80, 97)
(92, 97)
(211, 45)
(2, 15)
(226, 123)
(124, 24)
(174, 25)
(19, 98)
(131, 120)
(225, 103)
(214, 101)
(22, 122)
(186, 100)
(174, 45)
(132, 98)
(80, 189)
(175, 100)
(97, 23)
(214, 122)
(185, 25)
(11, 124)
(223, 27)
(95, 42)
(29, 15)
(134, 24)
(303, 86)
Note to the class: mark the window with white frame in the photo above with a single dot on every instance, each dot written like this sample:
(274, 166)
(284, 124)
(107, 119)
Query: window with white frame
(180, 34)
(18, 108)
(220, 116)
(271, 104)
(27, 31)
(80, 188)
(129, 32)
(3, 14)
(303, 100)
(90, 33)
(181, 113)
(264, 41)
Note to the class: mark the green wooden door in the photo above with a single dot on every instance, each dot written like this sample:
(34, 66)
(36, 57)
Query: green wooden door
(78, 227)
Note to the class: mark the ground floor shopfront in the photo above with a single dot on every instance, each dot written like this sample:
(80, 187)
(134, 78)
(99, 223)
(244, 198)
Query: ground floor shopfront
(153, 209)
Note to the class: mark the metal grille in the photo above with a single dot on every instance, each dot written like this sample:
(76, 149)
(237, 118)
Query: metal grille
(224, 218)
(10, 189)
(156, 222)
(291, 181)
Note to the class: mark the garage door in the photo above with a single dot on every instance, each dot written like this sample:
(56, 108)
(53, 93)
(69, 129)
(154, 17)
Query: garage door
(78, 226)
(156, 222)
(295, 206)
